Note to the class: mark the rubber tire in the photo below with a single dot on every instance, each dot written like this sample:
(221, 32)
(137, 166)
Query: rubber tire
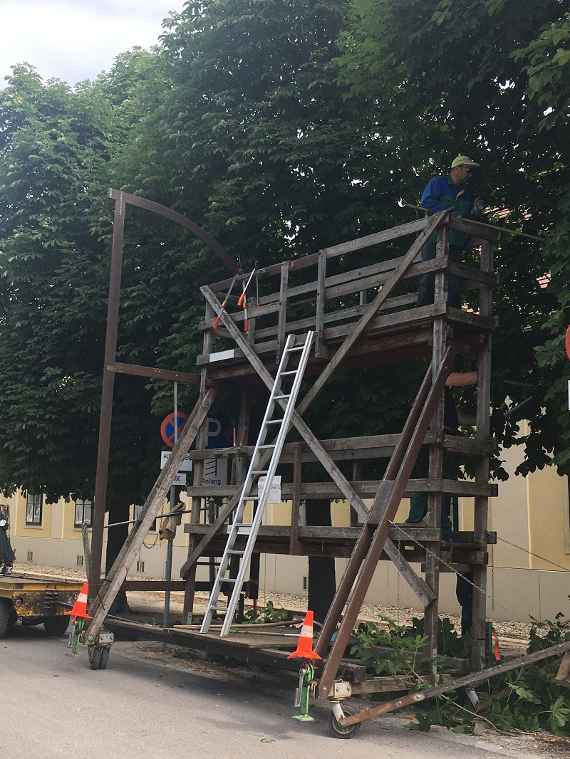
(344, 733)
(6, 610)
(56, 627)
(12, 621)
(98, 657)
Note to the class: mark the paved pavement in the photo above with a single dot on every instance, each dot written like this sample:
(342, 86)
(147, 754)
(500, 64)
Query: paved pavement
(53, 706)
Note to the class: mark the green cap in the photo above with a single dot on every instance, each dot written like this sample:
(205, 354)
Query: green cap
(463, 160)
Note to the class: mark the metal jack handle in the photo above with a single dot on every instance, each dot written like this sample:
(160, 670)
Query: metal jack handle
(303, 693)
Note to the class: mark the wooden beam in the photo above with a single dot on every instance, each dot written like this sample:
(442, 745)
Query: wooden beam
(372, 310)
(456, 684)
(153, 372)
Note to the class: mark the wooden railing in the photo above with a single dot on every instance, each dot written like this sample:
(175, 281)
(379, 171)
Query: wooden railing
(287, 298)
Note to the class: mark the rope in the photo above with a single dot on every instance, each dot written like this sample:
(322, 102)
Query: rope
(536, 555)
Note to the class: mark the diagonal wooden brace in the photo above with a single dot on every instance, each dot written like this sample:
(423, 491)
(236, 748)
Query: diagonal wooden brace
(372, 310)
(152, 506)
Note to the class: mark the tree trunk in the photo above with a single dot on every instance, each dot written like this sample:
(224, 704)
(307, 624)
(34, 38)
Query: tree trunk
(116, 536)
(322, 576)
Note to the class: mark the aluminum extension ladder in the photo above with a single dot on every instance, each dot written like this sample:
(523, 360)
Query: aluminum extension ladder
(279, 398)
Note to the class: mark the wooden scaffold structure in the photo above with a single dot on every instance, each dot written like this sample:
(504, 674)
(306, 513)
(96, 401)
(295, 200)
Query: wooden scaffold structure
(362, 307)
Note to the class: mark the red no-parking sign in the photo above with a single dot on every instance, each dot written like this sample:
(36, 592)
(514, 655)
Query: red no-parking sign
(167, 427)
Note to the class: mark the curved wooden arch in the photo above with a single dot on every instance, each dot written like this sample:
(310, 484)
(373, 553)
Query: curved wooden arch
(178, 218)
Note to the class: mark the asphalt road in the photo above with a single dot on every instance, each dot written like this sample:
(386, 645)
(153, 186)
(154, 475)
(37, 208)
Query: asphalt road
(53, 706)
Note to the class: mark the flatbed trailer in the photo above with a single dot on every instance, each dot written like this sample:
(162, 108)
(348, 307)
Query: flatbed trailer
(34, 600)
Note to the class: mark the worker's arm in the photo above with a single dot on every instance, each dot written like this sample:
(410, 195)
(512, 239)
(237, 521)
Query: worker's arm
(461, 379)
(433, 198)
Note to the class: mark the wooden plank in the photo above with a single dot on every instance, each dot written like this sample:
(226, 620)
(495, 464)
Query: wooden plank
(154, 372)
(363, 489)
(402, 230)
(371, 311)
(474, 229)
(344, 314)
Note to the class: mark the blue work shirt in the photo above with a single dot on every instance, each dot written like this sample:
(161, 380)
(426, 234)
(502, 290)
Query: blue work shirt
(440, 194)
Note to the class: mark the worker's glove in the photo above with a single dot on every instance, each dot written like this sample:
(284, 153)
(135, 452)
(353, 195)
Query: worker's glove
(3, 523)
(478, 206)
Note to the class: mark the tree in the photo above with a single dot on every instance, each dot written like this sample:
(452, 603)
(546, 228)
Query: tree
(474, 92)
(56, 145)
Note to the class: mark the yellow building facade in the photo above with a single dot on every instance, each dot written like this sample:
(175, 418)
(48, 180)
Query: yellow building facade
(528, 567)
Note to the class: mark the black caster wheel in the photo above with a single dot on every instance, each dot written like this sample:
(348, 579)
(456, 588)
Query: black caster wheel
(98, 657)
(338, 730)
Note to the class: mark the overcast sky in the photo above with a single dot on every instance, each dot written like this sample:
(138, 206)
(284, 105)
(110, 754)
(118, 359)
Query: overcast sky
(76, 39)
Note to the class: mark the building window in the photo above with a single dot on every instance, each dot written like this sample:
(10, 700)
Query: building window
(137, 515)
(83, 512)
(34, 509)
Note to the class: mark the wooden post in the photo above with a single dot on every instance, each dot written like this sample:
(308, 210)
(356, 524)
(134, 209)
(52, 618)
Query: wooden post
(105, 414)
(320, 348)
(479, 573)
(436, 454)
(282, 322)
(197, 476)
(294, 542)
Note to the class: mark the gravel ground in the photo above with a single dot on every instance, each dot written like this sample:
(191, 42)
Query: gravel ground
(512, 633)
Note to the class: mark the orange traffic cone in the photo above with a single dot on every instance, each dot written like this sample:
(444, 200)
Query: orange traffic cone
(79, 610)
(304, 648)
(496, 649)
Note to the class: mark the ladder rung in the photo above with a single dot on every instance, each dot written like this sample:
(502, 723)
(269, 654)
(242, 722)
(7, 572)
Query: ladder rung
(272, 445)
(290, 371)
(295, 348)
(228, 579)
(274, 421)
(279, 397)
(236, 552)
(259, 471)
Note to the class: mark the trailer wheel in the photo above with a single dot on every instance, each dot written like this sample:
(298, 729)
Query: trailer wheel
(338, 730)
(98, 657)
(56, 627)
(6, 616)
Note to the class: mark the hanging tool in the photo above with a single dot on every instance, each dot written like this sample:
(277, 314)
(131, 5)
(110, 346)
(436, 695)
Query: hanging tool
(242, 301)
(216, 321)
(239, 527)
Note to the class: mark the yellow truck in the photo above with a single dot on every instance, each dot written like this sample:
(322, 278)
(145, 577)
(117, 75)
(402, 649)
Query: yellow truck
(33, 600)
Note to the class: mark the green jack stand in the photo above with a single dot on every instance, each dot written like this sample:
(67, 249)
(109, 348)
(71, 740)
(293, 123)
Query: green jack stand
(74, 639)
(303, 693)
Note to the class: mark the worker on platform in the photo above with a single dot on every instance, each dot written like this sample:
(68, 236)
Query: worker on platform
(441, 194)
(7, 555)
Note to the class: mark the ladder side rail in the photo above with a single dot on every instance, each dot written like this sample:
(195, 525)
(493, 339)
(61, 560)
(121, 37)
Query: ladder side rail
(264, 495)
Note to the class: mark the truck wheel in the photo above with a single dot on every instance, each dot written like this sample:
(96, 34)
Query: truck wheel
(6, 616)
(56, 627)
